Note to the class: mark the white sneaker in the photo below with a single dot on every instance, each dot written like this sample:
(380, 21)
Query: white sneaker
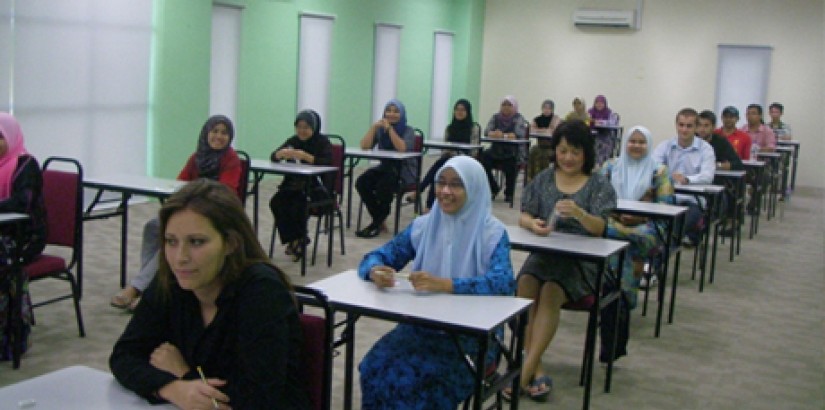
(645, 282)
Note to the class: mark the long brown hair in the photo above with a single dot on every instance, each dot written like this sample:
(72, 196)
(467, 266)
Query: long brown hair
(217, 203)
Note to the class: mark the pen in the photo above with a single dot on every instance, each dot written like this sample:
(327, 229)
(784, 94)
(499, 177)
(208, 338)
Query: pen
(214, 402)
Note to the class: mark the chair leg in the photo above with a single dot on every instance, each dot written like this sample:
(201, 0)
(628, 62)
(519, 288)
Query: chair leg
(76, 300)
(329, 219)
(340, 229)
(315, 245)
(591, 333)
(360, 208)
(272, 239)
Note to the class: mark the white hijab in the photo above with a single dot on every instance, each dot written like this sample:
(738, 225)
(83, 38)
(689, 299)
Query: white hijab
(631, 177)
(458, 245)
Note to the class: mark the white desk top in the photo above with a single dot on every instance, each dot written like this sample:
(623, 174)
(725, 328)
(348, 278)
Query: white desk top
(788, 142)
(139, 184)
(649, 208)
(753, 163)
(506, 141)
(588, 247)
(541, 135)
(380, 154)
(265, 165)
(730, 173)
(75, 387)
(699, 189)
(768, 154)
(451, 145)
(346, 291)
(608, 127)
(786, 149)
(12, 217)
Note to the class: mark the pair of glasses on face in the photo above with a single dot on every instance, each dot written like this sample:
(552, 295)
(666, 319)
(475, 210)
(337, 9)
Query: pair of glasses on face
(453, 185)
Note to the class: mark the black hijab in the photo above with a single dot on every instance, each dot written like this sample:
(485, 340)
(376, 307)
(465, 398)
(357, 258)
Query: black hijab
(461, 130)
(207, 159)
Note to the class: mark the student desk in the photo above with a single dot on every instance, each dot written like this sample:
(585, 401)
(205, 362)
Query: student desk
(711, 195)
(787, 154)
(673, 217)
(756, 169)
(795, 145)
(734, 183)
(75, 387)
(472, 315)
(452, 146)
(585, 248)
(356, 154)
(260, 167)
(127, 185)
(541, 136)
(15, 324)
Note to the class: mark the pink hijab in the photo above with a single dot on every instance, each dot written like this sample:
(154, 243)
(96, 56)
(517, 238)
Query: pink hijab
(9, 131)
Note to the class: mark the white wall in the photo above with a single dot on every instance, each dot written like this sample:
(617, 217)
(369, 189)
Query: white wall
(534, 52)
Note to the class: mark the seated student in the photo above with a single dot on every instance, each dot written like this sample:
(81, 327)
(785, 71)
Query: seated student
(378, 185)
(458, 247)
(726, 156)
(214, 159)
(288, 205)
(461, 129)
(568, 198)
(579, 112)
(218, 307)
(739, 140)
(781, 129)
(601, 115)
(508, 123)
(21, 190)
(761, 135)
(691, 161)
(541, 154)
(636, 176)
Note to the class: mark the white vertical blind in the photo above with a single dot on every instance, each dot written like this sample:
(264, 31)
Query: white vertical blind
(742, 77)
(223, 74)
(442, 82)
(6, 54)
(385, 72)
(79, 79)
(314, 61)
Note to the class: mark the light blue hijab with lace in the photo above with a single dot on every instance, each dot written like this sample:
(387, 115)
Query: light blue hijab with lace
(630, 177)
(459, 245)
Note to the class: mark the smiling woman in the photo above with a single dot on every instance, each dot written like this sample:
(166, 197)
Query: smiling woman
(216, 304)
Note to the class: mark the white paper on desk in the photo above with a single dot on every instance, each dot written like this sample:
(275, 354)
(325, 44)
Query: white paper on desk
(405, 286)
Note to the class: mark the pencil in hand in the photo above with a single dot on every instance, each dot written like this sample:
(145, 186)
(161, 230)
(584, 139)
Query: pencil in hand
(214, 402)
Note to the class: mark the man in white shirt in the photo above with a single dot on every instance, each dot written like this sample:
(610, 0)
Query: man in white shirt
(690, 160)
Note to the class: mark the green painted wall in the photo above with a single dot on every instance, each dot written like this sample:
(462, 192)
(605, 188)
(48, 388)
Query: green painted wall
(267, 84)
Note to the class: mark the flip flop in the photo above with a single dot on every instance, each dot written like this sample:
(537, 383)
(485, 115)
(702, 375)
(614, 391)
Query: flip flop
(543, 384)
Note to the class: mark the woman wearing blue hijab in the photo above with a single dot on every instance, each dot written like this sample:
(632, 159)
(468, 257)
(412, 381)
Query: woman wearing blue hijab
(458, 247)
(378, 185)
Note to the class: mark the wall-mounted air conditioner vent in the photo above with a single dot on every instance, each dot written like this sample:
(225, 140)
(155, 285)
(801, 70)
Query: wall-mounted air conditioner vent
(604, 18)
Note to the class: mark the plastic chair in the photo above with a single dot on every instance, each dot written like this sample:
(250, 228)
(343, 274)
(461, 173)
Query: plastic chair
(316, 357)
(63, 198)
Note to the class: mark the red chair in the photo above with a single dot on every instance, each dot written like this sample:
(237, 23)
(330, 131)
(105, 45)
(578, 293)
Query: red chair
(243, 184)
(316, 357)
(63, 198)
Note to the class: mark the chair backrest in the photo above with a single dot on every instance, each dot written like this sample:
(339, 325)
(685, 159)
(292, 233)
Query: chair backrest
(63, 199)
(339, 148)
(316, 360)
(243, 183)
(418, 146)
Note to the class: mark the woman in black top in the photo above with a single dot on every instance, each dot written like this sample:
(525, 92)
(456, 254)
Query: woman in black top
(462, 129)
(288, 205)
(217, 305)
(21, 186)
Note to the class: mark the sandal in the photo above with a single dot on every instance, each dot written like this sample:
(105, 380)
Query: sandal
(539, 389)
(123, 301)
(133, 305)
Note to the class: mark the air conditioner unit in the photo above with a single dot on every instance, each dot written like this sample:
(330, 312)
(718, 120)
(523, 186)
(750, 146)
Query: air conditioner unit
(604, 18)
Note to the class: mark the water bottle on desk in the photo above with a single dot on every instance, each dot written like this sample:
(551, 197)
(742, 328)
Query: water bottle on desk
(754, 151)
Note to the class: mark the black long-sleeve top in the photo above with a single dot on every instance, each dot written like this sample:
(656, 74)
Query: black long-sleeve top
(27, 197)
(724, 151)
(253, 342)
(319, 147)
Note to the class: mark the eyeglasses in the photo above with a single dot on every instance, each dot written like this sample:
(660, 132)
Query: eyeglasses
(454, 185)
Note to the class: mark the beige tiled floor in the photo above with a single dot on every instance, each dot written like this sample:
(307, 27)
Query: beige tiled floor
(755, 339)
